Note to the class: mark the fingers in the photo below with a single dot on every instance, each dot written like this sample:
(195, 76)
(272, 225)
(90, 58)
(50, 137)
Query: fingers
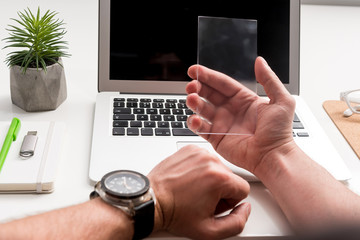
(228, 225)
(198, 125)
(224, 84)
(233, 223)
(216, 190)
(274, 88)
(206, 92)
(201, 127)
(234, 191)
(201, 107)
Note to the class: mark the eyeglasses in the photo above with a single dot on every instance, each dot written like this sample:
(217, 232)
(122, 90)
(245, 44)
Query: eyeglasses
(352, 99)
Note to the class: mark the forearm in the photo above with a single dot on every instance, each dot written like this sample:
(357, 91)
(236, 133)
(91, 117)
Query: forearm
(91, 220)
(309, 196)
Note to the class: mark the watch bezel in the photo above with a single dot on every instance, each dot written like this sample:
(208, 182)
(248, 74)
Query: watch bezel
(133, 195)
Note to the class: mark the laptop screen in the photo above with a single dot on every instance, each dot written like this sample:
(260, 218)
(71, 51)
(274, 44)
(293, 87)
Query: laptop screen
(158, 42)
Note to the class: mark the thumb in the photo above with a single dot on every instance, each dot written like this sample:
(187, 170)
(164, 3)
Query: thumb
(273, 87)
(233, 223)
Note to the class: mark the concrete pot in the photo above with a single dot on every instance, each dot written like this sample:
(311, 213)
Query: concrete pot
(36, 90)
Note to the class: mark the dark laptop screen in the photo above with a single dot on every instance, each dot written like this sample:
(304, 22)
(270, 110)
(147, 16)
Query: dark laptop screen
(159, 41)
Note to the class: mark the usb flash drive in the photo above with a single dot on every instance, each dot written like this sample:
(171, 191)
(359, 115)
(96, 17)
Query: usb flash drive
(28, 145)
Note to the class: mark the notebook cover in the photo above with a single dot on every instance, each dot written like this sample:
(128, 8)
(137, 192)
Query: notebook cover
(37, 173)
(348, 126)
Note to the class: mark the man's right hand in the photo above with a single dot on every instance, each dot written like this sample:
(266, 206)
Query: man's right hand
(192, 187)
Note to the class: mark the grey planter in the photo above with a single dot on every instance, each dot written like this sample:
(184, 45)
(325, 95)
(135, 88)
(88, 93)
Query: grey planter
(36, 90)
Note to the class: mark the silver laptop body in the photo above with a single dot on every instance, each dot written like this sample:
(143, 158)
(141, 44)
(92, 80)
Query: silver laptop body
(136, 63)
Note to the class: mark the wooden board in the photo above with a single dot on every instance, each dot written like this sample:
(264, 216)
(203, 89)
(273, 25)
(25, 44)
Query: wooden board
(348, 126)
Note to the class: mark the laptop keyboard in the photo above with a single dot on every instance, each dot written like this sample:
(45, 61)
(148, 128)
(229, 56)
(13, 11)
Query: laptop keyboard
(298, 128)
(161, 117)
(151, 117)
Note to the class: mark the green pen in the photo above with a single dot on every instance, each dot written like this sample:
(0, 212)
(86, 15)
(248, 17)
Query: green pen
(10, 137)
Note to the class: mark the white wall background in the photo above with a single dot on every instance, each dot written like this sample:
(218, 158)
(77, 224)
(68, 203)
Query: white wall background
(333, 2)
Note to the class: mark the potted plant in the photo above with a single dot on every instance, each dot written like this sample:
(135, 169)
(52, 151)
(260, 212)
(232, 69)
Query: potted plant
(37, 77)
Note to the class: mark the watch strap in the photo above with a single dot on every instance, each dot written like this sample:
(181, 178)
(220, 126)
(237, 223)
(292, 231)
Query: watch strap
(94, 194)
(144, 220)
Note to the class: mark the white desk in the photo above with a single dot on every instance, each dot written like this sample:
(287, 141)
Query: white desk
(330, 46)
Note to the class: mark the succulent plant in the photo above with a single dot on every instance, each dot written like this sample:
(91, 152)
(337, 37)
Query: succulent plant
(38, 40)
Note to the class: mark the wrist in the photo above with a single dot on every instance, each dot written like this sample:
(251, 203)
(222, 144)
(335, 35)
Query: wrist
(161, 196)
(130, 192)
(163, 210)
(274, 163)
(118, 224)
(158, 218)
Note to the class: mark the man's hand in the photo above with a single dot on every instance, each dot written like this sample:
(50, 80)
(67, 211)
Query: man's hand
(231, 107)
(192, 187)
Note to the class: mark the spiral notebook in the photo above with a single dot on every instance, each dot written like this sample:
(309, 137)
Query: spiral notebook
(35, 174)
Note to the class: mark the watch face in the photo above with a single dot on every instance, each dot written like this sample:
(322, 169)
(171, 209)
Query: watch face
(126, 184)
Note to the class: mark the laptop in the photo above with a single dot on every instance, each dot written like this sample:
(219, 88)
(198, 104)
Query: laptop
(144, 53)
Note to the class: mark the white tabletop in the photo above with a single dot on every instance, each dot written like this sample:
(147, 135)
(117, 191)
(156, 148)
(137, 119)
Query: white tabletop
(330, 46)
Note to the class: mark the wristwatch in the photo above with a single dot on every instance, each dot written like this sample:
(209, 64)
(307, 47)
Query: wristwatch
(129, 191)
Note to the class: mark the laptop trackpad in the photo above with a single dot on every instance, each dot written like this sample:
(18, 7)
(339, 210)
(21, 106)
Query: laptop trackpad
(239, 171)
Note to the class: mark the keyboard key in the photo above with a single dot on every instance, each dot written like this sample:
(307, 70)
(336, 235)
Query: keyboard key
(132, 104)
(169, 118)
(149, 124)
(145, 100)
(147, 132)
(165, 111)
(298, 125)
(132, 100)
(178, 112)
(142, 117)
(133, 132)
(124, 117)
(158, 100)
(155, 117)
(303, 134)
(152, 111)
(117, 131)
(182, 105)
(119, 104)
(188, 112)
(163, 124)
(176, 124)
(138, 111)
(119, 99)
(171, 100)
(135, 124)
(122, 110)
(170, 105)
(181, 117)
(145, 105)
(157, 105)
(182, 132)
(296, 118)
(162, 132)
(120, 124)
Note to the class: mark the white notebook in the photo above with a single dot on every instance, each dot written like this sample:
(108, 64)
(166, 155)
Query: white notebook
(35, 174)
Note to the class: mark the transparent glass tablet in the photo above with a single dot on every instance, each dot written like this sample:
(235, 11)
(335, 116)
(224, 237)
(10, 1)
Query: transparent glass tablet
(227, 46)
